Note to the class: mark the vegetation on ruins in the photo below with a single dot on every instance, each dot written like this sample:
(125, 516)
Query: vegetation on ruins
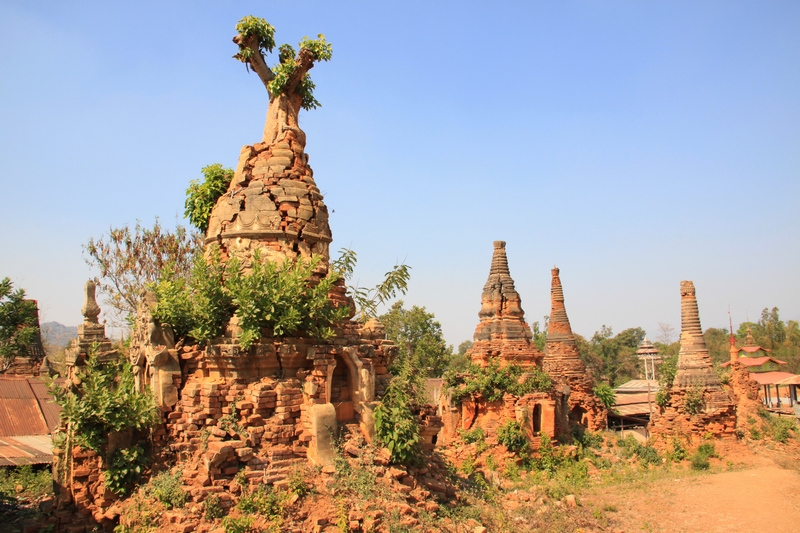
(17, 322)
(605, 394)
(396, 427)
(493, 381)
(368, 300)
(511, 435)
(693, 400)
(102, 401)
(202, 195)
(129, 260)
(666, 375)
(283, 298)
(288, 82)
(418, 336)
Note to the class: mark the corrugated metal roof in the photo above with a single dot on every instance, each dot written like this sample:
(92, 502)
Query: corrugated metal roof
(20, 413)
(50, 409)
(26, 450)
(755, 361)
(637, 385)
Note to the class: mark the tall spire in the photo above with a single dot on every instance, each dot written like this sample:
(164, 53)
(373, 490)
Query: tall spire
(558, 328)
(694, 363)
(502, 331)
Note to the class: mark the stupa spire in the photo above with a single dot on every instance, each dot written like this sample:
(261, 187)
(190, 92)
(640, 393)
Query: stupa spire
(558, 328)
(502, 331)
(694, 363)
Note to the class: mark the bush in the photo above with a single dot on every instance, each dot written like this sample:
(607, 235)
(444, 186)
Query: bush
(493, 381)
(470, 436)
(396, 426)
(241, 524)
(212, 507)
(700, 457)
(167, 488)
(34, 483)
(678, 451)
(606, 395)
(512, 436)
(693, 401)
(125, 468)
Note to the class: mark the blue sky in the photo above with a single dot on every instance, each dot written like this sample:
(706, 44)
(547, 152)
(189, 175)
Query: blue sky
(633, 144)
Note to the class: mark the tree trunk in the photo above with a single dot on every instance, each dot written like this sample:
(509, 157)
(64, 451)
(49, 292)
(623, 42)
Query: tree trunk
(282, 117)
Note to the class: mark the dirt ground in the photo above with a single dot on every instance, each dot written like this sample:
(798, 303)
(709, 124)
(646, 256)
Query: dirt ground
(747, 491)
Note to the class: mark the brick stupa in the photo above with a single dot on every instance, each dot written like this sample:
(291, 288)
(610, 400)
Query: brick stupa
(502, 332)
(563, 363)
(695, 377)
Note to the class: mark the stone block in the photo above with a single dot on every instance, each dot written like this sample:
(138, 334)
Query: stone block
(321, 449)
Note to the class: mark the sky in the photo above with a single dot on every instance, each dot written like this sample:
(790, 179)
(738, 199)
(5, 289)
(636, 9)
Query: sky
(633, 144)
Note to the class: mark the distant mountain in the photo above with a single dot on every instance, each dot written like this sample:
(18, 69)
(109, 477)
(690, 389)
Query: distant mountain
(56, 334)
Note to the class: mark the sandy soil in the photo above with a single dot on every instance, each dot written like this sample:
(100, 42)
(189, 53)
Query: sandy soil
(760, 493)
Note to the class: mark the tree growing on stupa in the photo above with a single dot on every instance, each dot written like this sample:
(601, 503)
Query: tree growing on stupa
(288, 82)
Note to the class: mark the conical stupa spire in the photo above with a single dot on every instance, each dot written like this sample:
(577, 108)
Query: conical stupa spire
(694, 363)
(502, 331)
(558, 328)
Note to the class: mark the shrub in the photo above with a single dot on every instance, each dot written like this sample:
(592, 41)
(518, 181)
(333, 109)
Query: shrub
(512, 436)
(125, 468)
(470, 436)
(241, 524)
(606, 395)
(212, 507)
(166, 487)
(34, 483)
(396, 426)
(678, 451)
(201, 197)
(693, 401)
(493, 381)
(700, 457)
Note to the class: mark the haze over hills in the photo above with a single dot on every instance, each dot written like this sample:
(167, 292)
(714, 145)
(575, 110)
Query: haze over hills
(56, 334)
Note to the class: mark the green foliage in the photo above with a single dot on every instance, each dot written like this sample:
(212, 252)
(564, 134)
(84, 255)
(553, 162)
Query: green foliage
(34, 483)
(612, 358)
(396, 426)
(418, 337)
(645, 454)
(18, 329)
(166, 488)
(125, 468)
(586, 438)
(540, 333)
(606, 395)
(693, 401)
(699, 459)
(368, 300)
(202, 196)
(105, 401)
(131, 260)
(677, 452)
(212, 507)
(778, 428)
(197, 304)
(240, 524)
(667, 371)
(512, 436)
(259, 28)
(264, 501)
(493, 381)
(283, 298)
(470, 436)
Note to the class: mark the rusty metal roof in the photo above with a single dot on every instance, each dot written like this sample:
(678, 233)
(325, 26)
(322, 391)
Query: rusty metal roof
(20, 412)
(26, 450)
(49, 408)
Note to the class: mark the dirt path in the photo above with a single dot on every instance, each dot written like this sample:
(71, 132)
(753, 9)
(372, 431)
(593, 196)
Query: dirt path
(762, 496)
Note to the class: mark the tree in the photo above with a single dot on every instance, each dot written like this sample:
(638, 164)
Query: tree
(419, 339)
(18, 328)
(666, 333)
(131, 259)
(201, 196)
(612, 359)
(368, 300)
(288, 83)
(718, 344)
(540, 334)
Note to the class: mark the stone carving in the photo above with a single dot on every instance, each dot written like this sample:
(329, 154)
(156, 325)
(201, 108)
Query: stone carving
(153, 355)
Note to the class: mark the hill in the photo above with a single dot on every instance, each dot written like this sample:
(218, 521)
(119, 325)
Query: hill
(58, 335)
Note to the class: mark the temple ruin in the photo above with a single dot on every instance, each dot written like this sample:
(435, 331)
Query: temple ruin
(579, 405)
(503, 337)
(698, 404)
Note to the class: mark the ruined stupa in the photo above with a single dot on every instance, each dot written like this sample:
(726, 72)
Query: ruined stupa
(256, 413)
(502, 332)
(563, 363)
(698, 403)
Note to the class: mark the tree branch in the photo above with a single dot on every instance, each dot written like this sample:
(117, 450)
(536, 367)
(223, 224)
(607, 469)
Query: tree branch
(256, 59)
